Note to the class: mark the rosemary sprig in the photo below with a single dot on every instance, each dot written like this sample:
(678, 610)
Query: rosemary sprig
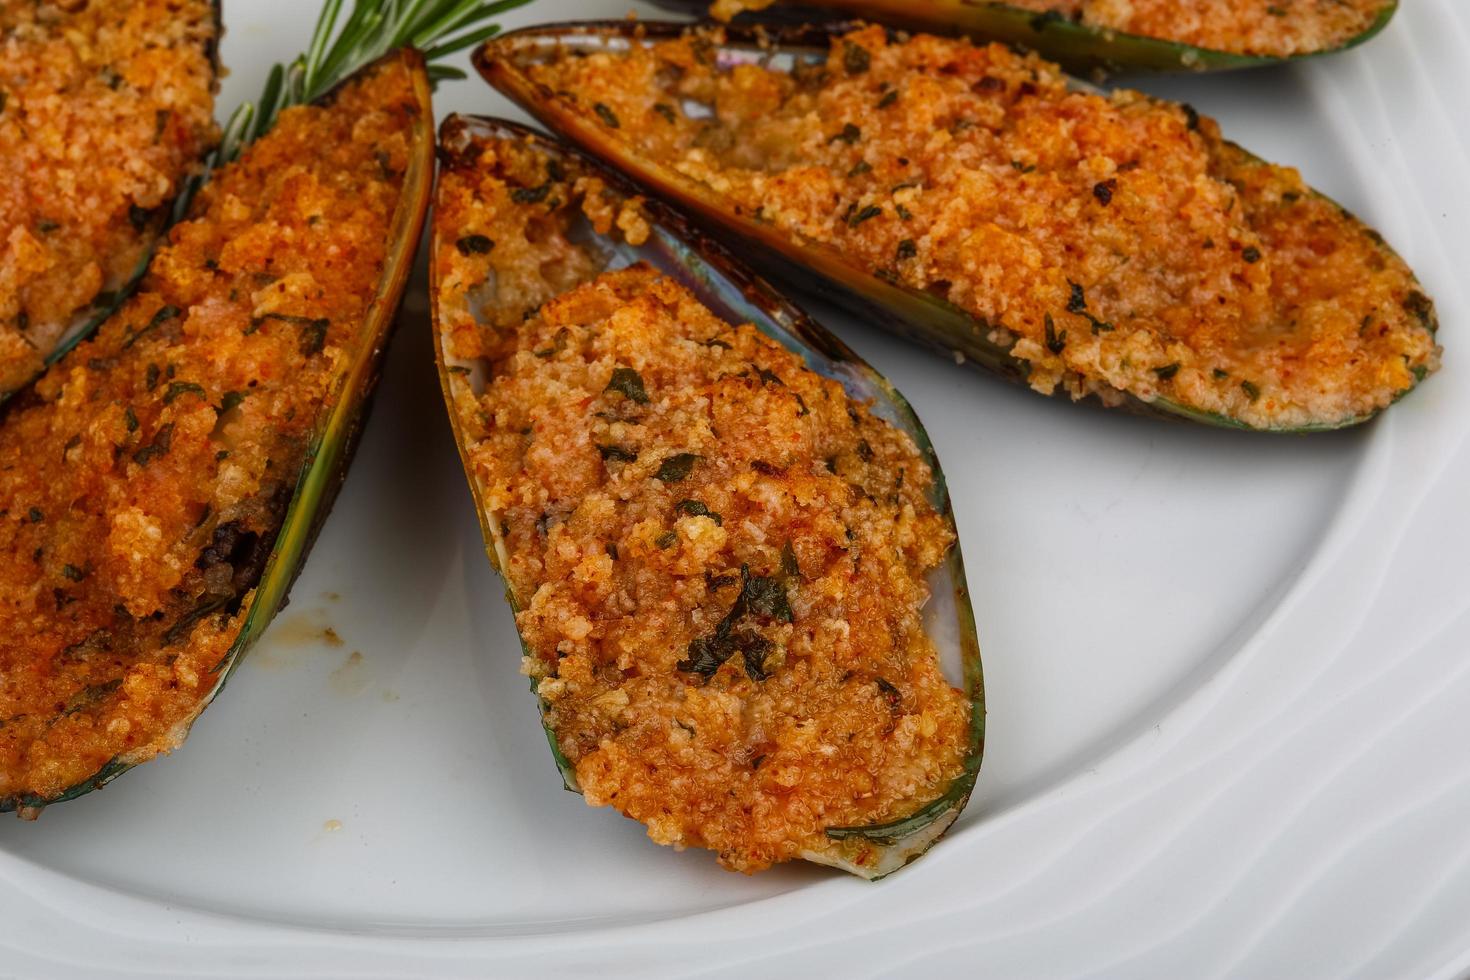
(438, 28)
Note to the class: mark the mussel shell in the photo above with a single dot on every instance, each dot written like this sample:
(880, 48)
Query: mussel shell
(921, 316)
(324, 466)
(737, 295)
(1081, 48)
(86, 321)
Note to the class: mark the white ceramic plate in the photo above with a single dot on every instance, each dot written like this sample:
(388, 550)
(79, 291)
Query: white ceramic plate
(1255, 769)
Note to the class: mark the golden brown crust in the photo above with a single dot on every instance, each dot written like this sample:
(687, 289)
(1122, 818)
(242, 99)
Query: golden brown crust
(1267, 28)
(1253, 27)
(106, 106)
(717, 557)
(143, 480)
(1115, 244)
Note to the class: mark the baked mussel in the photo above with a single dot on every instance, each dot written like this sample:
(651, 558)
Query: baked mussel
(1092, 36)
(106, 117)
(726, 540)
(161, 484)
(980, 200)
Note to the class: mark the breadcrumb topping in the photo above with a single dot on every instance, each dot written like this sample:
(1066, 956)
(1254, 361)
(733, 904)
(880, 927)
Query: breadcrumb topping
(1113, 244)
(143, 479)
(1266, 28)
(717, 557)
(106, 106)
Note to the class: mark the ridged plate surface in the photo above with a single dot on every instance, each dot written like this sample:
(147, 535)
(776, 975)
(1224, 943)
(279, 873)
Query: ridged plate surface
(1228, 679)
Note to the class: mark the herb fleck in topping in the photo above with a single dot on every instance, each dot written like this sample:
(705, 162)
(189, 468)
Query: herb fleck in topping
(130, 419)
(889, 97)
(1167, 371)
(665, 110)
(162, 440)
(860, 168)
(474, 245)
(1103, 191)
(230, 400)
(606, 115)
(676, 467)
(531, 195)
(1077, 303)
(760, 596)
(1251, 254)
(630, 383)
(1055, 342)
(667, 539)
(907, 249)
(695, 508)
(871, 211)
(618, 453)
(1251, 391)
(850, 134)
(177, 388)
(164, 314)
(73, 572)
(1421, 306)
(855, 58)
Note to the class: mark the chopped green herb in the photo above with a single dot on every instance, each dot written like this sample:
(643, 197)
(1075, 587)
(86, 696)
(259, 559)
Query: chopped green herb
(889, 97)
(1420, 306)
(666, 540)
(35, 515)
(695, 508)
(630, 383)
(759, 596)
(162, 440)
(1251, 391)
(138, 217)
(1077, 303)
(1167, 371)
(618, 453)
(1055, 342)
(177, 388)
(164, 314)
(850, 134)
(860, 168)
(1251, 254)
(474, 245)
(1220, 374)
(907, 249)
(1103, 191)
(530, 195)
(665, 110)
(73, 572)
(130, 419)
(606, 115)
(855, 58)
(676, 467)
(871, 211)
(230, 400)
(769, 377)
(789, 565)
